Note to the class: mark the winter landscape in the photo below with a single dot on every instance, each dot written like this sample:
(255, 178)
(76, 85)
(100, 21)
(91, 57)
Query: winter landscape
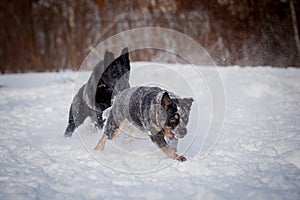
(238, 59)
(257, 155)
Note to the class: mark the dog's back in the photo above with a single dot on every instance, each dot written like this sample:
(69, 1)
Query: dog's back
(136, 105)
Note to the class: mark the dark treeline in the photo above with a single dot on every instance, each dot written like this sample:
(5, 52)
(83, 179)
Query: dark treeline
(50, 35)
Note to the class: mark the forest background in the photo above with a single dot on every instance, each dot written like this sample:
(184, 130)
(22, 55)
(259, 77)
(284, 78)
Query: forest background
(53, 35)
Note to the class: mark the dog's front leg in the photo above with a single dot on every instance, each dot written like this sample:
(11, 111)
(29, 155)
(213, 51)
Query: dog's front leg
(160, 141)
(173, 155)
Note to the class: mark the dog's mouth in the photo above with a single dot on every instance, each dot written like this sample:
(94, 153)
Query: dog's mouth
(168, 132)
(170, 124)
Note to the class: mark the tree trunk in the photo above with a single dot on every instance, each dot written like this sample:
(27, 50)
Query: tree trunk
(295, 25)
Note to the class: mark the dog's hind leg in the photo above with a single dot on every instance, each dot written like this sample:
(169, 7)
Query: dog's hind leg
(77, 115)
(105, 137)
(97, 119)
(71, 125)
(112, 131)
(118, 131)
(100, 120)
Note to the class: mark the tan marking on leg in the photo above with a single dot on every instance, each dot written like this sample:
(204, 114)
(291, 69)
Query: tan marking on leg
(170, 154)
(173, 155)
(101, 143)
(119, 130)
(104, 138)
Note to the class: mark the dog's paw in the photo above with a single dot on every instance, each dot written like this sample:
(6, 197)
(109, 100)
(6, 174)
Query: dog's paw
(181, 158)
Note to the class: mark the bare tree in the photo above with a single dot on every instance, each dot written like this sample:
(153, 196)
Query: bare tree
(295, 25)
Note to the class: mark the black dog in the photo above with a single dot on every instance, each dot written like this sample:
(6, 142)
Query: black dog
(96, 95)
(152, 110)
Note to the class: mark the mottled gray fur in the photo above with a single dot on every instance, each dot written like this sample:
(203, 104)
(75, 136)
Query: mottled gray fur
(143, 107)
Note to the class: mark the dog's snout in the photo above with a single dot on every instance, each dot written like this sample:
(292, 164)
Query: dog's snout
(182, 132)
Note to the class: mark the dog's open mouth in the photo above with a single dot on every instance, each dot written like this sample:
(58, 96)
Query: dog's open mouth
(168, 132)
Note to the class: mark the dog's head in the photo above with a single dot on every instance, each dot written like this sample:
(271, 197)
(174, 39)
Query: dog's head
(177, 115)
(116, 75)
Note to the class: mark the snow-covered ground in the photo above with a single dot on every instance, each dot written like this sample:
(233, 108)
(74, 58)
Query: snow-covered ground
(257, 155)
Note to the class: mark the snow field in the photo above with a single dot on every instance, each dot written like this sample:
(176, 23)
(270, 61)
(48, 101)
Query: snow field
(256, 157)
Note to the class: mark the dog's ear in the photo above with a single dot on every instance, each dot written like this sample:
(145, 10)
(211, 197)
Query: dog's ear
(125, 55)
(187, 102)
(124, 51)
(108, 58)
(165, 100)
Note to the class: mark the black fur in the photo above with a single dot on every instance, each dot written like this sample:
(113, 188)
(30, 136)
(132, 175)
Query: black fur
(95, 96)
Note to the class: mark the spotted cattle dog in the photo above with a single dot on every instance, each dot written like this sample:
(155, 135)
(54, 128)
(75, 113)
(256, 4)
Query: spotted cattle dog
(151, 109)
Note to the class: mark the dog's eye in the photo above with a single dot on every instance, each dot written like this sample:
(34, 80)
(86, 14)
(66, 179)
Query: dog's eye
(174, 120)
